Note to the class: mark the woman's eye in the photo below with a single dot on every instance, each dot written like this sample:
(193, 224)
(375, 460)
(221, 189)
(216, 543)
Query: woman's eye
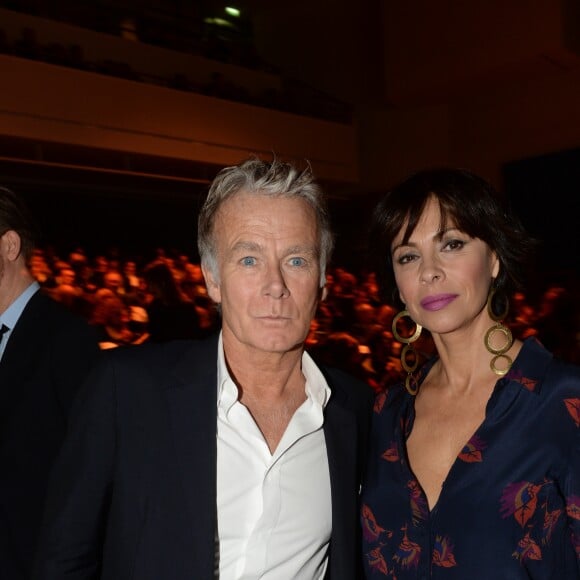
(405, 258)
(248, 261)
(454, 244)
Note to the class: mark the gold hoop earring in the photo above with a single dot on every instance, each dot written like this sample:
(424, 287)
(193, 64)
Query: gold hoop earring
(408, 352)
(498, 327)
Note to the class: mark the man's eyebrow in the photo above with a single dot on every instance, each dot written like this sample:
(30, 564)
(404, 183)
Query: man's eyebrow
(302, 249)
(246, 246)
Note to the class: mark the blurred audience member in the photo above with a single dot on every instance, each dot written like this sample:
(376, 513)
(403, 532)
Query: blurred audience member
(111, 318)
(113, 280)
(132, 281)
(40, 269)
(100, 266)
(67, 291)
(171, 314)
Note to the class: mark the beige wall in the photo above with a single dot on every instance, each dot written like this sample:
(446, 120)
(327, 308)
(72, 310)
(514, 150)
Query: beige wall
(56, 104)
(475, 84)
(481, 133)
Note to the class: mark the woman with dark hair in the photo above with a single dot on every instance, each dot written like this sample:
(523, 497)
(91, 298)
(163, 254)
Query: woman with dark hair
(474, 468)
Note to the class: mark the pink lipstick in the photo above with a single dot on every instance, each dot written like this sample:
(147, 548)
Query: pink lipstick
(437, 301)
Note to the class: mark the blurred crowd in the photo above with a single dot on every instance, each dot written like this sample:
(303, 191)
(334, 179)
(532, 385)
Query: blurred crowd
(133, 300)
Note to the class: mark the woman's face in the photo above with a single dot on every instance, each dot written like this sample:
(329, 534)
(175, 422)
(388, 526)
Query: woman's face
(443, 275)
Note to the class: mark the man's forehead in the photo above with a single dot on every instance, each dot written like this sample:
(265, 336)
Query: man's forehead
(303, 247)
(249, 210)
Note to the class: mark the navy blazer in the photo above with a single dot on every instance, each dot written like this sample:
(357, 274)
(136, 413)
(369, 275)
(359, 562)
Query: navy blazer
(133, 493)
(49, 354)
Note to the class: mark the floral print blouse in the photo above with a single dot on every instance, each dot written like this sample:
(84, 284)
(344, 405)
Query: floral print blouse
(509, 508)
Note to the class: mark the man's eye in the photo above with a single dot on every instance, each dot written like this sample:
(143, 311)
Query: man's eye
(248, 261)
(297, 261)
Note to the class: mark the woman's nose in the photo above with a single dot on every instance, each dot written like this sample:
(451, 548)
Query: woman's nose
(431, 271)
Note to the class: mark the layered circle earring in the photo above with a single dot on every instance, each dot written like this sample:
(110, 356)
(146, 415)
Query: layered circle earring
(498, 352)
(409, 357)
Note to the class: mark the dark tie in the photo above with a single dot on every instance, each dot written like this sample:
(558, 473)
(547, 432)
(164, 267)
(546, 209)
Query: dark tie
(2, 331)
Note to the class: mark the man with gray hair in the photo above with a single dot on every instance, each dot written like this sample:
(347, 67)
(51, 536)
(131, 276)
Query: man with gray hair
(235, 457)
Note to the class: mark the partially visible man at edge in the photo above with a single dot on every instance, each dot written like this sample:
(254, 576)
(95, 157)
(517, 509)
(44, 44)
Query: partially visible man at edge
(45, 353)
(235, 457)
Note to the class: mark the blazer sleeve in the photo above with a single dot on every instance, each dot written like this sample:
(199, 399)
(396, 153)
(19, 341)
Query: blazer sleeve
(80, 486)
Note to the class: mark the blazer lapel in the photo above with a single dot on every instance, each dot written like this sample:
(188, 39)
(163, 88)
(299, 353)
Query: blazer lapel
(192, 403)
(341, 444)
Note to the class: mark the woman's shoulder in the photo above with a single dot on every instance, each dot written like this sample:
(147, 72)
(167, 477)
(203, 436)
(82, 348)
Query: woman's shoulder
(538, 371)
(391, 397)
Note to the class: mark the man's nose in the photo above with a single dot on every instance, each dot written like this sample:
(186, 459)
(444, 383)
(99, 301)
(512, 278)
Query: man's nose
(276, 283)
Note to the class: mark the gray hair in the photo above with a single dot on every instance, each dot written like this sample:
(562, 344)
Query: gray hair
(274, 179)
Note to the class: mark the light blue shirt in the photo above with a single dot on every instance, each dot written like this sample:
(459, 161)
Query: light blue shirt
(11, 315)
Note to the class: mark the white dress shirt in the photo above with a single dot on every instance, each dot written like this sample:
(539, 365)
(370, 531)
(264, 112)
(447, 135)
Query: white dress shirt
(274, 510)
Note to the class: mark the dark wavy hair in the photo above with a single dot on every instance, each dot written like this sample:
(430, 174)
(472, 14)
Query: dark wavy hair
(467, 201)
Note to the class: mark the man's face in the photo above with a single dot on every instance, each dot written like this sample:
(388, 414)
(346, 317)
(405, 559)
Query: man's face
(268, 272)
(113, 280)
(66, 276)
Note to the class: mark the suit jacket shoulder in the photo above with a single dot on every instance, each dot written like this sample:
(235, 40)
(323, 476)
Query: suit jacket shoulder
(349, 390)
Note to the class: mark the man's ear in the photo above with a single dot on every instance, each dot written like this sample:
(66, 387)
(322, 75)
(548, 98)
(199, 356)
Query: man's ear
(323, 293)
(212, 285)
(11, 245)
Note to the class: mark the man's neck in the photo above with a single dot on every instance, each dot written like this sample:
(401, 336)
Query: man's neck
(12, 286)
